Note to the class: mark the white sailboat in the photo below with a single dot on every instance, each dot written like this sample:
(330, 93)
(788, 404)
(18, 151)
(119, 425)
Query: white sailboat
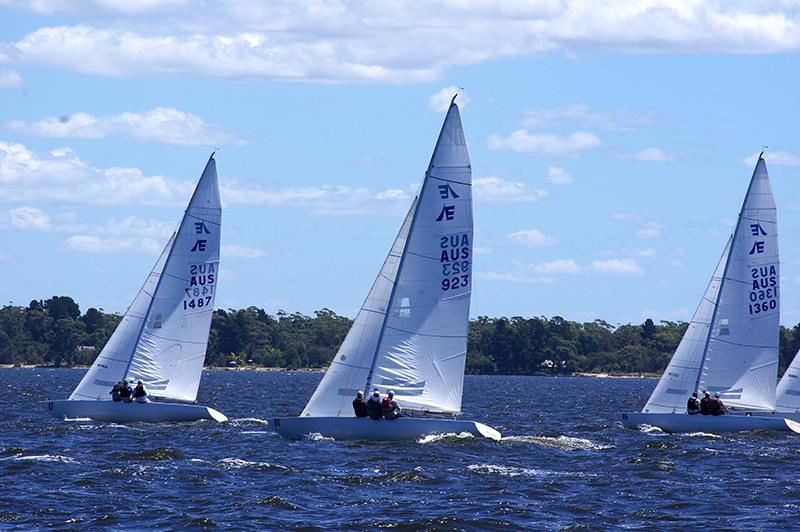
(731, 344)
(162, 338)
(410, 335)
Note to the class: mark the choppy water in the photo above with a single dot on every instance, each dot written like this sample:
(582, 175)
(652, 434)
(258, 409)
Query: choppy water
(564, 463)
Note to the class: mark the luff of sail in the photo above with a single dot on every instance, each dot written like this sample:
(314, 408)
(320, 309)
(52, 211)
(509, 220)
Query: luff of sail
(163, 342)
(423, 345)
(350, 367)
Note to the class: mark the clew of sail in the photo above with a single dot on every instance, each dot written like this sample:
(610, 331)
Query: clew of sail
(423, 345)
(680, 377)
(741, 360)
(111, 364)
(163, 336)
(350, 367)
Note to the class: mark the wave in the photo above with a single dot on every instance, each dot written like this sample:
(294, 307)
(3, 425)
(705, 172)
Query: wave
(701, 434)
(276, 502)
(247, 421)
(316, 436)
(238, 463)
(159, 453)
(256, 432)
(508, 471)
(445, 437)
(43, 458)
(650, 429)
(566, 443)
(78, 419)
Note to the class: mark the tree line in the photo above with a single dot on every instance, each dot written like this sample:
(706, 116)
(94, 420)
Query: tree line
(55, 332)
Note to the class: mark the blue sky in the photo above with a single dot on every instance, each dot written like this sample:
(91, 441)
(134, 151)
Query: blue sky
(611, 144)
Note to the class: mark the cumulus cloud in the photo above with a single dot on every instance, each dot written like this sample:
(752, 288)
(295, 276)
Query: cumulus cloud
(559, 176)
(584, 115)
(506, 276)
(10, 79)
(498, 190)
(387, 42)
(649, 155)
(620, 267)
(440, 102)
(243, 252)
(523, 141)
(783, 158)
(164, 125)
(532, 237)
(96, 244)
(29, 218)
(650, 230)
(558, 266)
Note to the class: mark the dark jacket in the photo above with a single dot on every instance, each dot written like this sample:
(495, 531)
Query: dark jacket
(704, 407)
(360, 407)
(693, 406)
(139, 391)
(115, 392)
(374, 407)
(715, 406)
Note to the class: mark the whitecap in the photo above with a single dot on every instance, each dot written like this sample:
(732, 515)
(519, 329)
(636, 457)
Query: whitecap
(650, 429)
(566, 443)
(316, 436)
(256, 432)
(248, 420)
(238, 463)
(431, 438)
(46, 458)
(508, 471)
(701, 434)
(78, 419)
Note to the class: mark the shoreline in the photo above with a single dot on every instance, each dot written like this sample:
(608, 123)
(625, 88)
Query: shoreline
(264, 369)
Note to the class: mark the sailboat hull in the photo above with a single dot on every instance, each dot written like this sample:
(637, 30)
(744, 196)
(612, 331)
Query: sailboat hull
(713, 424)
(402, 429)
(120, 412)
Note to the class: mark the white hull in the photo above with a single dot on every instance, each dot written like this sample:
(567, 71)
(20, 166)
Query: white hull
(793, 415)
(401, 429)
(120, 412)
(712, 424)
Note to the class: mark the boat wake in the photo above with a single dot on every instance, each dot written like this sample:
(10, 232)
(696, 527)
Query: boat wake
(446, 437)
(562, 442)
(248, 421)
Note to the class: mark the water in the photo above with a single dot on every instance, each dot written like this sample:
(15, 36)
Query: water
(564, 463)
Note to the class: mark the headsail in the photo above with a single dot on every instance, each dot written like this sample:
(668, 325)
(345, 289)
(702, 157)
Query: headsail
(423, 346)
(162, 339)
(788, 394)
(350, 367)
(731, 345)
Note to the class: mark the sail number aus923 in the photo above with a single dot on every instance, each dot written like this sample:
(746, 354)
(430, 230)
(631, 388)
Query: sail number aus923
(459, 281)
(200, 302)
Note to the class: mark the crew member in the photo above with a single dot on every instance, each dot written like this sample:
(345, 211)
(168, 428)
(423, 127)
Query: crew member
(704, 407)
(360, 405)
(140, 394)
(389, 407)
(693, 405)
(374, 405)
(716, 407)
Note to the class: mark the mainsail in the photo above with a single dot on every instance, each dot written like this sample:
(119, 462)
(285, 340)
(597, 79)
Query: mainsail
(411, 334)
(731, 345)
(163, 336)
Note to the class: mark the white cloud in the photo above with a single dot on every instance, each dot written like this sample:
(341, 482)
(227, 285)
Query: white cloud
(581, 113)
(649, 155)
(650, 230)
(523, 141)
(164, 125)
(558, 266)
(29, 218)
(559, 176)
(498, 190)
(243, 252)
(532, 237)
(10, 79)
(18, 164)
(621, 216)
(629, 252)
(95, 244)
(380, 41)
(620, 267)
(440, 102)
(783, 158)
(512, 277)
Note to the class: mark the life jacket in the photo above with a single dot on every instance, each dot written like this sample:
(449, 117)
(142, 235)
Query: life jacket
(386, 404)
(374, 407)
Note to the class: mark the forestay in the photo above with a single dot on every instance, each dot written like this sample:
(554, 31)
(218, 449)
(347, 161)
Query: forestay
(731, 345)
(350, 367)
(162, 339)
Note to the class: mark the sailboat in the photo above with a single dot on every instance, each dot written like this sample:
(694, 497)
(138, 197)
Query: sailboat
(731, 344)
(410, 335)
(162, 338)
